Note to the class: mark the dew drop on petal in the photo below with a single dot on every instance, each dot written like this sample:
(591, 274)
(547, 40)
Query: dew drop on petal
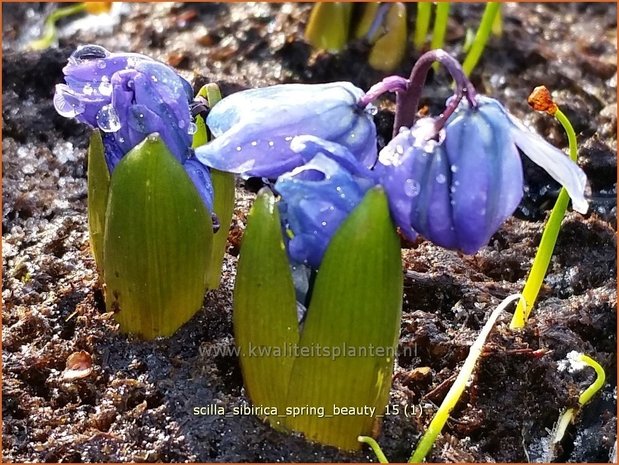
(271, 143)
(441, 179)
(66, 108)
(238, 148)
(324, 223)
(454, 168)
(254, 143)
(192, 129)
(105, 88)
(371, 109)
(87, 89)
(411, 188)
(107, 119)
(181, 123)
(101, 64)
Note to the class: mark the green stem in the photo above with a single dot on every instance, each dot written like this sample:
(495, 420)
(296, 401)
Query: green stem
(440, 28)
(458, 387)
(568, 416)
(548, 241)
(483, 32)
(49, 27)
(597, 384)
(223, 188)
(375, 447)
(422, 24)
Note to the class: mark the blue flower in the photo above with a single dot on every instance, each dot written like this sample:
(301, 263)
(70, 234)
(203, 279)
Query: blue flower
(129, 96)
(457, 186)
(318, 196)
(253, 128)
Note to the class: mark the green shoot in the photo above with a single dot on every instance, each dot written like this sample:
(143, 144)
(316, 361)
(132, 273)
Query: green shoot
(375, 447)
(223, 187)
(422, 24)
(328, 26)
(485, 27)
(440, 28)
(497, 25)
(49, 27)
(463, 378)
(540, 100)
(568, 416)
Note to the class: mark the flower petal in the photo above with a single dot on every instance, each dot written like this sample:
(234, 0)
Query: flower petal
(556, 163)
(201, 178)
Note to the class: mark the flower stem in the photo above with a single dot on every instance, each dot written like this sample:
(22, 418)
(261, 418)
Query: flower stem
(458, 387)
(375, 447)
(422, 23)
(483, 32)
(408, 101)
(548, 241)
(440, 26)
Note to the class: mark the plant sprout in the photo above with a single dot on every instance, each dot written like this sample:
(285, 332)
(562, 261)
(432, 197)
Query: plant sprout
(541, 100)
(49, 27)
(577, 361)
(455, 392)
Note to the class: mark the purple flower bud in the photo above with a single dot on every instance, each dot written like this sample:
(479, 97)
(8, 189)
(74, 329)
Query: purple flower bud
(317, 196)
(457, 186)
(253, 128)
(129, 96)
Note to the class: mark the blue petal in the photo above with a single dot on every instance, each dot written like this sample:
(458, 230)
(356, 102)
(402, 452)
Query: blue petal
(201, 178)
(271, 117)
(313, 207)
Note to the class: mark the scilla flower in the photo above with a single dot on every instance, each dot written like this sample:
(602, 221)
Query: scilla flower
(318, 196)
(253, 128)
(457, 185)
(129, 96)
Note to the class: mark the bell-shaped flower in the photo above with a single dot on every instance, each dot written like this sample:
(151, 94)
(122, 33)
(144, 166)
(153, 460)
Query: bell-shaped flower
(457, 186)
(318, 196)
(129, 96)
(253, 128)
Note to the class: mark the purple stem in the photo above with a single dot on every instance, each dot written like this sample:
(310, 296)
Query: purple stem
(407, 101)
(389, 84)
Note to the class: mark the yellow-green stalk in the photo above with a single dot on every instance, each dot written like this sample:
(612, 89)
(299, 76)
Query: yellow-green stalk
(481, 38)
(422, 24)
(329, 25)
(541, 100)
(441, 18)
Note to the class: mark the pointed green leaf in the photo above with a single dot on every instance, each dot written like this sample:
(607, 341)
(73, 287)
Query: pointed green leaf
(265, 316)
(223, 188)
(355, 309)
(389, 49)
(366, 21)
(158, 239)
(98, 186)
(223, 205)
(328, 26)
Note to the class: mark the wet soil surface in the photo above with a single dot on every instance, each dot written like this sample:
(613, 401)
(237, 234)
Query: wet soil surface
(137, 403)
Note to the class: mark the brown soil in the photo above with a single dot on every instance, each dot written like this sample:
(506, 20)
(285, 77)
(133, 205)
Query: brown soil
(137, 402)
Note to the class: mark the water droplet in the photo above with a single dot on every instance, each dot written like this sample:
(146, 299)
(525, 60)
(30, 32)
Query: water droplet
(402, 129)
(441, 179)
(192, 129)
(399, 149)
(107, 119)
(88, 90)
(67, 107)
(181, 123)
(288, 139)
(105, 88)
(154, 78)
(454, 168)
(452, 189)
(411, 188)
(254, 143)
(271, 143)
(101, 64)
(238, 148)
(323, 223)
(371, 109)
